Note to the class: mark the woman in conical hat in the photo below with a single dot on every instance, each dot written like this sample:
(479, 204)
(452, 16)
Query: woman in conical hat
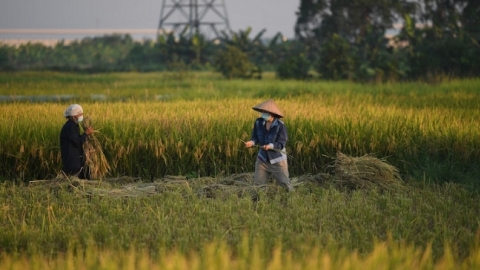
(270, 107)
(270, 134)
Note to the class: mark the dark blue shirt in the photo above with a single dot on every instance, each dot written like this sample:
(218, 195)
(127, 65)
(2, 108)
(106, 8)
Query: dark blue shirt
(276, 136)
(71, 145)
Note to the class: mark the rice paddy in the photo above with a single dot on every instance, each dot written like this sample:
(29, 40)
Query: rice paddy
(174, 187)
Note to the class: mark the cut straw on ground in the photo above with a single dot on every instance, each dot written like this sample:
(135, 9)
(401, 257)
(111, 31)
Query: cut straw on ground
(365, 172)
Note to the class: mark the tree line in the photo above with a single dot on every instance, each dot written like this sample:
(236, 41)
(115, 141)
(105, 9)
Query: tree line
(360, 40)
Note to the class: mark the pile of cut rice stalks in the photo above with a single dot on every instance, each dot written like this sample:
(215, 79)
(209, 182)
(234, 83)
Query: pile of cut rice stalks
(240, 185)
(365, 172)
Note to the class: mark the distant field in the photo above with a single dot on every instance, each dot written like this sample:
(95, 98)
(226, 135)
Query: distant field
(191, 126)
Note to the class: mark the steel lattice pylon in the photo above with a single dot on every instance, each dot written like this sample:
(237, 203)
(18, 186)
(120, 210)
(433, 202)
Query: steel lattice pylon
(209, 18)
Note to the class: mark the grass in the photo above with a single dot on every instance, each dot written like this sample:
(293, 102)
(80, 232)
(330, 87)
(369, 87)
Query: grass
(204, 85)
(51, 222)
(218, 256)
(196, 129)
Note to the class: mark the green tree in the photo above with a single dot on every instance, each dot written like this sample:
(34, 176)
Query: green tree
(446, 42)
(234, 63)
(336, 59)
(256, 48)
(348, 37)
(5, 58)
(294, 67)
(471, 19)
(318, 20)
(143, 57)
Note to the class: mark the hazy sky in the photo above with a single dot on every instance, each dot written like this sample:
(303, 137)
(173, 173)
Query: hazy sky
(273, 15)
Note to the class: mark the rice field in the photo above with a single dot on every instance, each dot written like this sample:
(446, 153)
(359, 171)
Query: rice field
(61, 226)
(156, 126)
(424, 130)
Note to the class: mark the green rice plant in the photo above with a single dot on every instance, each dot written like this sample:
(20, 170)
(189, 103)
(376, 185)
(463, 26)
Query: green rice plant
(145, 139)
(418, 128)
(217, 256)
(428, 132)
(52, 220)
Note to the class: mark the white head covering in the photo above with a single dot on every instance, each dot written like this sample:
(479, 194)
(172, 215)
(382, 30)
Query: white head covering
(73, 110)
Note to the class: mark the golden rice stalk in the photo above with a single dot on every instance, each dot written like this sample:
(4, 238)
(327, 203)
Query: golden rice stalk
(95, 160)
(365, 172)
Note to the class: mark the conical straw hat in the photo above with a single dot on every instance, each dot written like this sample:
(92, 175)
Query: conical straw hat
(268, 106)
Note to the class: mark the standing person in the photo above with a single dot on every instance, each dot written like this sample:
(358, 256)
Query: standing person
(71, 142)
(270, 134)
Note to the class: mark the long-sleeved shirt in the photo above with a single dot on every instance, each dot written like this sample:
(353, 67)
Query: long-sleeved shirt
(71, 145)
(276, 137)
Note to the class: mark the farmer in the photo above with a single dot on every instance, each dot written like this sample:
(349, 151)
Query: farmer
(71, 142)
(270, 134)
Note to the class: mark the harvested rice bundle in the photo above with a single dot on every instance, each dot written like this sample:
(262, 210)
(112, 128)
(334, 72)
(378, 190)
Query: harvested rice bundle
(365, 172)
(95, 160)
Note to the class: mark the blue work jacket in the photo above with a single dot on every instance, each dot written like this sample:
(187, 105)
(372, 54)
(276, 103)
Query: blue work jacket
(276, 137)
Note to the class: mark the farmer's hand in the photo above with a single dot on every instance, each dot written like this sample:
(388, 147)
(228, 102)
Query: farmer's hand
(89, 130)
(266, 147)
(249, 144)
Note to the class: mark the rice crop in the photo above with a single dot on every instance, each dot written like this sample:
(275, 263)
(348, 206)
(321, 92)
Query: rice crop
(95, 160)
(173, 214)
(204, 137)
(386, 176)
(217, 255)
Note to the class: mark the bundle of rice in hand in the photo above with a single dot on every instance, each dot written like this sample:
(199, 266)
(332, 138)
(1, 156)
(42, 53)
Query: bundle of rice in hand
(365, 172)
(95, 160)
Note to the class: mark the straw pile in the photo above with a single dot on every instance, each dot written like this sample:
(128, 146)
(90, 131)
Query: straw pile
(95, 161)
(365, 172)
(239, 185)
(71, 184)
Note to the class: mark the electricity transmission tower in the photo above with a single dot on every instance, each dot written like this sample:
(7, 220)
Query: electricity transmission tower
(189, 17)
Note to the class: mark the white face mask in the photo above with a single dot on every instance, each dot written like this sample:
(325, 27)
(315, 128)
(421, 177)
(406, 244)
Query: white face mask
(80, 119)
(265, 116)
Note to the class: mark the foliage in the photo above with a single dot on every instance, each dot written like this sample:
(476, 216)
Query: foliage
(232, 62)
(294, 67)
(144, 57)
(438, 39)
(253, 48)
(458, 50)
(4, 58)
(445, 43)
(194, 51)
(336, 59)
(319, 20)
